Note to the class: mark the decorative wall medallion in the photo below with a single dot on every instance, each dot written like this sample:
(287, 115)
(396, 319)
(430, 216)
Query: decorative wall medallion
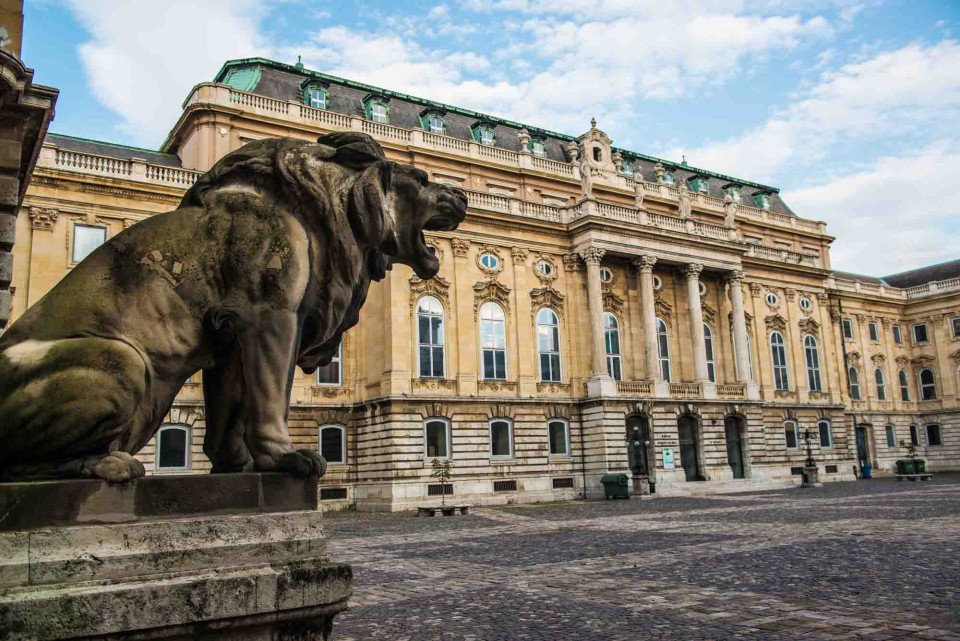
(545, 297)
(437, 286)
(490, 260)
(491, 290)
(545, 270)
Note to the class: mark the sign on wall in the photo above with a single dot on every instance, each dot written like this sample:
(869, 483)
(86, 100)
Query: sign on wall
(668, 460)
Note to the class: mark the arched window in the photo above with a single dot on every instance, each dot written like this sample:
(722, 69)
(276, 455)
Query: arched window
(881, 385)
(826, 435)
(333, 443)
(708, 348)
(778, 352)
(790, 434)
(904, 386)
(611, 333)
(173, 447)
(663, 349)
(812, 355)
(436, 438)
(928, 385)
(548, 345)
(493, 341)
(501, 438)
(559, 435)
(854, 384)
(430, 337)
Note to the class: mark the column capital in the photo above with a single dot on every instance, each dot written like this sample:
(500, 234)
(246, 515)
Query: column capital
(592, 255)
(692, 270)
(736, 276)
(645, 262)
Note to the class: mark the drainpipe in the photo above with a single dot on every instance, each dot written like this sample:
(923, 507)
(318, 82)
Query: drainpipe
(583, 460)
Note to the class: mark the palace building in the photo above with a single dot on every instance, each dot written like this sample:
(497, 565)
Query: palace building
(591, 291)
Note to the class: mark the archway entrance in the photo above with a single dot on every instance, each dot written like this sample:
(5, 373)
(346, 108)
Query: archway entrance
(639, 458)
(733, 427)
(688, 431)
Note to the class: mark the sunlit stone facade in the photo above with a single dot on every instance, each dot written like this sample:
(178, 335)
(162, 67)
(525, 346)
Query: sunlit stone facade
(591, 290)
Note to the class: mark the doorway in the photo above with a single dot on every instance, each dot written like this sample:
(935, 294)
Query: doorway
(688, 432)
(863, 452)
(638, 458)
(733, 427)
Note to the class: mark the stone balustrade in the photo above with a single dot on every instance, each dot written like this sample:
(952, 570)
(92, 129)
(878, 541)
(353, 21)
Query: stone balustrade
(896, 293)
(686, 390)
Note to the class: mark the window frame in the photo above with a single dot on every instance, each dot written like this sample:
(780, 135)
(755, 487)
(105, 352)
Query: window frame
(566, 437)
(926, 334)
(308, 92)
(558, 353)
(897, 334)
(502, 323)
(709, 351)
(614, 359)
(955, 327)
(880, 381)
(75, 235)
(442, 346)
(820, 425)
(812, 348)
(338, 359)
(914, 434)
(663, 350)
(168, 427)
(890, 431)
(343, 442)
(846, 325)
(784, 366)
(904, 382)
(932, 384)
(448, 441)
(538, 146)
(509, 423)
(791, 425)
(853, 382)
(873, 331)
(938, 431)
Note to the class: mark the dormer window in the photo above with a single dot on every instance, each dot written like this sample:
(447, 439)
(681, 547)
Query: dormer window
(315, 96)
(432, 121)
(483, 134)
(538, 146)
(669, 179)
(377, 108)
(734, 192)
(627, 167)
(699, 184)
(762, 200)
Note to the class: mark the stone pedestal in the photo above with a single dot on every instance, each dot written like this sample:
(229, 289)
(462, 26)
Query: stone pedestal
(641, 486)
(811, 476)
(234, 556)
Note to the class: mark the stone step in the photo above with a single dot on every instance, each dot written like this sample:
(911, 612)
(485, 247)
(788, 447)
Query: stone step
(707, 488)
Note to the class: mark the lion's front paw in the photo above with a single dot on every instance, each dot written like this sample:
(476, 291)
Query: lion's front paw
(302, 463)
(118, 467)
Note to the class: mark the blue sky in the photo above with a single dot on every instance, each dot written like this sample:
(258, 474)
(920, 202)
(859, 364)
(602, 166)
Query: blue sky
(851, 107)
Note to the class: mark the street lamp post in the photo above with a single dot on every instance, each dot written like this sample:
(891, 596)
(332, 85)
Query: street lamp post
(811, 474)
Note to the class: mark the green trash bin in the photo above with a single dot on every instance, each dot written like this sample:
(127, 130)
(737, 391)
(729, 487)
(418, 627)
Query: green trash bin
(615, 486)
(920, 466)
(906, 466)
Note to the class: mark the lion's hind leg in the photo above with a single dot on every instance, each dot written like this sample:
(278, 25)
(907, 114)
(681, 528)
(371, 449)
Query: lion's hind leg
(69, 406)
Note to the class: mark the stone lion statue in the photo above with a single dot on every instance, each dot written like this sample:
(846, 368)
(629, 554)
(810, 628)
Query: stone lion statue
(262, 268)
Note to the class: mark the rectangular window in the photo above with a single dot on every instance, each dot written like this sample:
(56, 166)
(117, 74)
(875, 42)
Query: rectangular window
(501, 441)
(329, 374)
(848, 329)
(173, 448)
(378, 112)
(874, 331)
(318, 99)
(437, 439)
(955, 326)
(333, 444)
(914, 435)
(933, 436)
(790, 434)
(891, 436)
(920, 333)
(826, 436)
(897, 336)
(86, 238)
(559, 438)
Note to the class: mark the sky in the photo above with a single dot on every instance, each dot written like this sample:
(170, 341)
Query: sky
(850, 107)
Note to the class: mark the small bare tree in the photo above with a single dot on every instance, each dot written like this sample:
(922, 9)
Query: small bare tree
(441, 471)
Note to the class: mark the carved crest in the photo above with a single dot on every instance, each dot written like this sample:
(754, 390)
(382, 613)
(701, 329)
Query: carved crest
(853, 357)
(571, 262)
(809, 326)
(776, 322)
(519, 254)
(612, 302)
(460, 246)
(491, 290)
(709, 314)
(878, 359)
(437, 286)
(43, 218)
(922, 361)
(545, 297)
(663, 309)
(903, 361)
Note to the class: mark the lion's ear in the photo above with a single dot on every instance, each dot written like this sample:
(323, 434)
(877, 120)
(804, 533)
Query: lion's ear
(353, 149)
(368, 217)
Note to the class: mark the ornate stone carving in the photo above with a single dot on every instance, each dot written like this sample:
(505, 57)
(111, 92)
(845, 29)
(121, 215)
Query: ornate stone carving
(129, 222)
(310, 286)
(853, 358)
(612, 302)
(497, 386)
(545, 297)
(776, 321)
(545, 276)
(519, 255)
(659, 171)
(922, 361)
(434, 385)
(755, 289)
(460, 246)
(491, 290)
(639, 191)
(592, 255)
(729, 211)
(571, 262)
(822, 298)
(878, 359)
(490, 271)
(692, 270)
(573, 152)
(791, 294)
(686, 201)
(523, 137)
(735, 277)
(902, 361)
(955, 355)
(43, 218)
(709, 314)
(645, 262)
(809, 326)
(437, 286)
(662, 309)
(937, 320)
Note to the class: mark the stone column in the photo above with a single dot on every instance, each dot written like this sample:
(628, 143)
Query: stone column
(739, 321)
(648, 309)
(692, 272)
(592, 257)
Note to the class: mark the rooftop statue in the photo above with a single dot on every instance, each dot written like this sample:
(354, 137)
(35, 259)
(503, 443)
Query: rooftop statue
(262, 268)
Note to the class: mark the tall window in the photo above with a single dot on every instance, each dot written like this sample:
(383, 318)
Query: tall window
(430, 337)
(812, 354)
(333, 443)
(501, 438)
(920, 333)
(86, 238)
(663, 349)
(881, 384)
(914, 435)
(611, 333)
(708, 348)
(928, 385)
(790, 434)
(847, 329)
(826, 436)
(493, 341)
(934, 437)
(854, 383)
(559, 433)
(778, 352)
(330, 373)
(904, 386)
(955, 326)
(897, 335)
(173, 447)
(436, 438)
(548, 345)
(891, 435)
(874, 330)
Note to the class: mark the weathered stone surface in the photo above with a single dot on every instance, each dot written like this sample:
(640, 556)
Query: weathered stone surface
(262, 268)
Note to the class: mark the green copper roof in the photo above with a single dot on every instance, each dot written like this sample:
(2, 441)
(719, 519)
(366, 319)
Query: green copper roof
(242, 79)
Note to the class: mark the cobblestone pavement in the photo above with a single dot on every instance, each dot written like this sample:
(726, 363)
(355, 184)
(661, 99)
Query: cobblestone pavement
(867, 560)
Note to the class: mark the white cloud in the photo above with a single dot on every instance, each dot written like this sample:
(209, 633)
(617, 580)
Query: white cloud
(143, 57)
(898, 214)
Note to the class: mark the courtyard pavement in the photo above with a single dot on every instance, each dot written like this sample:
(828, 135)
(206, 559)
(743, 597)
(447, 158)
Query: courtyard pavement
(867, 560)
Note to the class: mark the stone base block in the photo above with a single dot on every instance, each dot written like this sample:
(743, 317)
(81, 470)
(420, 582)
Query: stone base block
(120, 571)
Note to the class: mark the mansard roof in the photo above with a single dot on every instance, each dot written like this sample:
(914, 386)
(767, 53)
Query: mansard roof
(284, 82)
(113, 150)
(923, 275)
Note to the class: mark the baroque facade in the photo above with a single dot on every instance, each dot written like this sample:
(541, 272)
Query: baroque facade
(591, 290)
